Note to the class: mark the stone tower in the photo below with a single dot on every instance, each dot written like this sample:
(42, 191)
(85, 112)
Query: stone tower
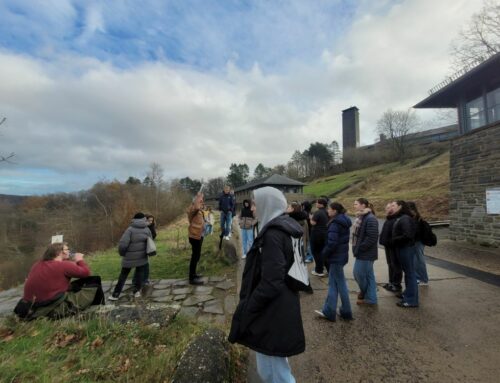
(350, 128)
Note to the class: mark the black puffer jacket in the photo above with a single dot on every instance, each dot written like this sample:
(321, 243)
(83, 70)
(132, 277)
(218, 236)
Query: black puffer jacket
(404, 231)
(132, 245)
(385, 238)
(268, 318)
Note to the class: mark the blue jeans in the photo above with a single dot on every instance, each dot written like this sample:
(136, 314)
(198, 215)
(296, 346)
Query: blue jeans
(246, 239)
(364, 275)
(407, 258)
(337, 285)
(420, 268)
(208, 229)
(225, 222)
(274, 369)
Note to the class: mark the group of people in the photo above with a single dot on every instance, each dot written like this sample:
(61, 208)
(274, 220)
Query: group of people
(268, 318)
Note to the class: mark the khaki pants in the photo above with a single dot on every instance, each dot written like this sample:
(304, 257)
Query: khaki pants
(69, 304)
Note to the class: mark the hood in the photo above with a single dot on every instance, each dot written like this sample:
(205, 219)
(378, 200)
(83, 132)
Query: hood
(269, 203)
(287, 224)
(139, 223)
(343, 220)
(363, 212)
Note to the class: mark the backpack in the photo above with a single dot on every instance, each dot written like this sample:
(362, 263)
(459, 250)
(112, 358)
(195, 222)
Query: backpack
(427, 237)
(297, 278)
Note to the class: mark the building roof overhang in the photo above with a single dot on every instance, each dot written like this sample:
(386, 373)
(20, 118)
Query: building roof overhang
(469, 85)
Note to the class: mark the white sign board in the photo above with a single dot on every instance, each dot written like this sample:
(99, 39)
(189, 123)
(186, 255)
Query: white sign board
(493, 201)
(57, 239)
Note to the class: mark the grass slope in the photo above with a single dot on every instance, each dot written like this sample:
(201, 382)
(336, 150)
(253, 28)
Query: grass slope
(95, 350)
(427, 185)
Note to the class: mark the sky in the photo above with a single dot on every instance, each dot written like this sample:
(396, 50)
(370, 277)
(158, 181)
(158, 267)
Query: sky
(96, 90)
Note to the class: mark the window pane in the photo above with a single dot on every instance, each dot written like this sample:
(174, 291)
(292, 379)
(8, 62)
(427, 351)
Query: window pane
(475, 113)
(493, 102)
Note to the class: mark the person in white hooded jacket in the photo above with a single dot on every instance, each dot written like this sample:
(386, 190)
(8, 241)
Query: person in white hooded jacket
(268, 318)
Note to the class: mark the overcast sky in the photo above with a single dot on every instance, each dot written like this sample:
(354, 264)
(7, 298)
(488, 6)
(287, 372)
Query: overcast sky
(97, 90)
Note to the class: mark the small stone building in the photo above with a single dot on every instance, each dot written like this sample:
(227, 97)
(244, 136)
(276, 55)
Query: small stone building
(292, 189)
(475, 153)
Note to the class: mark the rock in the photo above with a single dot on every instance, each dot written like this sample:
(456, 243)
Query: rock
(189, 311)
(148, 316)
(166, 298)
(160, 293)
(196, 299)
(185, 290)
(230, 304)
(205, 290)
(214, 307)
(181, 282)
(226, 285)
(216, 279)
(230, 252)
(205, 360)
(179, 297)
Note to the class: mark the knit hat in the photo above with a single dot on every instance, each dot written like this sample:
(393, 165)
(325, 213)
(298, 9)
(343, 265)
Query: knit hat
(139, 215)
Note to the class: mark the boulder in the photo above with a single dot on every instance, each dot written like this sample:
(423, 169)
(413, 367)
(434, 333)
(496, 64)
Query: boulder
(206, 359)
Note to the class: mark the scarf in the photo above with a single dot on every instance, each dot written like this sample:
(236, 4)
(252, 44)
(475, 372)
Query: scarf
(357, 225)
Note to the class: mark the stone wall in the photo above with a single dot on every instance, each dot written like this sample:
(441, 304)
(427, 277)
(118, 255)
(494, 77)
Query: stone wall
(474, 168)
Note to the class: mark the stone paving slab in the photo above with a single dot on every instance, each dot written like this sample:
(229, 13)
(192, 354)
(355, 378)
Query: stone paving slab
(203, 290)
(225, 285)
(216, 279)
(230, 304)
(160, 293)
(180, 297)
(189, 311)
(197, 299)
(185, 290)
(165, 298)
(214, 307)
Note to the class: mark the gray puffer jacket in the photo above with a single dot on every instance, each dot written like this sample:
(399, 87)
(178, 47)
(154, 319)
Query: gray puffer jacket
(132, 245)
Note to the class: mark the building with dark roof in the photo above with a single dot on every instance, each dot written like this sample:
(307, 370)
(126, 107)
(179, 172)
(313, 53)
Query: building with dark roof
(291, 188)
(475, 153)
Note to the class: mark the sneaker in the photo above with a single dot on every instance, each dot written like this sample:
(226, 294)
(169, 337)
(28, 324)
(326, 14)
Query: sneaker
(195, 281)
(387, 286)
(317, 274)
(395, 289)
(113, 298)
(362, 302)
(226, 238)
(243, 256)
(361, 296)
(420, 283)
(346, 317)
(309, 260)
(406, 305)
(137, 294)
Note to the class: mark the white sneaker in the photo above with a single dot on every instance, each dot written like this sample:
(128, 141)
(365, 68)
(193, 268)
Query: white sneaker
(243, 256)
(317, 274)
(420, 283)
(320, 313)
(137, 294)
(112, 298)
(226, 238)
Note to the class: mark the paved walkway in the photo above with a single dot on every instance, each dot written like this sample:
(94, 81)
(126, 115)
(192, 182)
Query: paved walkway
(214, 301)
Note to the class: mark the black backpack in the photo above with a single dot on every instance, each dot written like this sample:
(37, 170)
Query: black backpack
(427, 237)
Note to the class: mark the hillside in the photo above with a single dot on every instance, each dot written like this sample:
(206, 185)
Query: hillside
(424, 180)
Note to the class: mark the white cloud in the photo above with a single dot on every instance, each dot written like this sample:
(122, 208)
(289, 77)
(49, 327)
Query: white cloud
(81, 117)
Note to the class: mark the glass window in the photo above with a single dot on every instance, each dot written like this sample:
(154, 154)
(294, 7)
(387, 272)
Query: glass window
(493, 105)
(475, 113)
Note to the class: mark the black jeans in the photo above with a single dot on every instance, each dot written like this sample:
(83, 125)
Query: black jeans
(395, 270)
(139, 270)
(318, 242)
(195, 256)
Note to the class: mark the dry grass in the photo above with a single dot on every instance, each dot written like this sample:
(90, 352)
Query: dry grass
(427, 185)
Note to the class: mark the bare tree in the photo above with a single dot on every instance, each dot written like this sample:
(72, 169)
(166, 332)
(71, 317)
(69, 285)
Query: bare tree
(155, 175)
(396, 126)
(11, 155)
(479, 39)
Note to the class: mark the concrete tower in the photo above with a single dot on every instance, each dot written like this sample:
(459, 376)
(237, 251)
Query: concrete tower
(350, 128)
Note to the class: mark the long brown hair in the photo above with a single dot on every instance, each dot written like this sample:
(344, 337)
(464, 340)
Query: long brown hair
(52, 251)
(364, 201)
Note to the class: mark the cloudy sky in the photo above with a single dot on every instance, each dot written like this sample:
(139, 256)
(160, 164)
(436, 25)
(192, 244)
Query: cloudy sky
(97, 90)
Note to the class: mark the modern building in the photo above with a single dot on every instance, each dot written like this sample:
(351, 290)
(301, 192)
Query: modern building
(292, 189)
(475, 153)
(350, 128)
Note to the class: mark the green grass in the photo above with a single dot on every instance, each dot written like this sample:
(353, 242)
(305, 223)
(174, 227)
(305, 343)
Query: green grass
(91, 351)
(333, 184)
(427, 185)
(96, 350)
(172, 259)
